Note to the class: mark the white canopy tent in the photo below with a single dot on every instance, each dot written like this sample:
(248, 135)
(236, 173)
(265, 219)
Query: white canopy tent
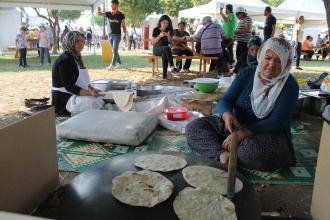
(53, 4)
(255, 8)
(56, 4)
(313, 11)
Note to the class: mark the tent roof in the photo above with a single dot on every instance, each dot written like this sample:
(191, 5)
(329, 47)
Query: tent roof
(253, 8)
(54, 4)
(308, 6)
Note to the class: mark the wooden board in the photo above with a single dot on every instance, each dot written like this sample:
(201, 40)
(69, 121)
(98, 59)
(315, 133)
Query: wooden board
(321, 193)
(28, 162)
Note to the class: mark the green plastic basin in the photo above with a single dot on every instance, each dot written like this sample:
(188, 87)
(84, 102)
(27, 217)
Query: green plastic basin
(207, 85)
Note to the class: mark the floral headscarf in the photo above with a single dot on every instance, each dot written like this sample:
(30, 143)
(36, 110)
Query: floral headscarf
(266, 91)
(68, 45)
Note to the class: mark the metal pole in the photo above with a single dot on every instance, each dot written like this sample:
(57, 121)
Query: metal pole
(103, 22)
(93, 24)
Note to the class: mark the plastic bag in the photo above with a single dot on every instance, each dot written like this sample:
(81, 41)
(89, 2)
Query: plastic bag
(77, 104)
(179, 126)
(325, 85)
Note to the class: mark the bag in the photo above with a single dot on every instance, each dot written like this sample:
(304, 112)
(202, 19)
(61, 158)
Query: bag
(325, 85)
(198, 45)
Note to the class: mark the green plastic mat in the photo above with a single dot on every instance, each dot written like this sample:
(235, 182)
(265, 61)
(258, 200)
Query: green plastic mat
(74, 155)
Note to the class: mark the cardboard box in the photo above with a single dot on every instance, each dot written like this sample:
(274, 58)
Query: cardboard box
(28, 162)
(321, 193)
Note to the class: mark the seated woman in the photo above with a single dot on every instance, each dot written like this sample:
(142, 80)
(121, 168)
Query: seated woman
(253, 46)
(161, 39)
(259, 105)
(307, 47)
(211, 35)
(69, 74)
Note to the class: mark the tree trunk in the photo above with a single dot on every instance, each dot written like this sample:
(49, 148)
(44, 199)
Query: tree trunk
(327, 10)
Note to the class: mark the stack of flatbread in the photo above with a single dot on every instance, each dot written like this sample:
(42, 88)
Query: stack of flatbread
(161, 162)
(123, 99)
(209, 177)
(142, 188)
(147, 188)
(202, 204)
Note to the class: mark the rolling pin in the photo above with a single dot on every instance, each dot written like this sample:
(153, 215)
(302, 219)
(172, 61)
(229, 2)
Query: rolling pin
(232, 166)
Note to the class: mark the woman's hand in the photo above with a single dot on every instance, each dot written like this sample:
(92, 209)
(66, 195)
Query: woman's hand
(162, 34)
(241, 135)
(230, 122)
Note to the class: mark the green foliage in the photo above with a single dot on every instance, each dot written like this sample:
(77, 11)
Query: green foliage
(172, 7)
(99, 20)
(274, 3)
(136, 10)
(200, 2)
(69, 15)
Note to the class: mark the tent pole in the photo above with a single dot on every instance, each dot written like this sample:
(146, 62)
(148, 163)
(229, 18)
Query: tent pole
(93, 24)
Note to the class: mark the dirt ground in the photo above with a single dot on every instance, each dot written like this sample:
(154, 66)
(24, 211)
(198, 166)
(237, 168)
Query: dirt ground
(36, 84)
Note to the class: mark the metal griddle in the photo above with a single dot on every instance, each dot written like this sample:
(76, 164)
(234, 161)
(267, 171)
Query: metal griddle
(89, 195)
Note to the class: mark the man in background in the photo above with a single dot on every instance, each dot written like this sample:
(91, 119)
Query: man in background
(229, 26)
(116, 20)
(270, 23)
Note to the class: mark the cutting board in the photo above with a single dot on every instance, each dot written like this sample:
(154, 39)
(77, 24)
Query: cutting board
(205, 97)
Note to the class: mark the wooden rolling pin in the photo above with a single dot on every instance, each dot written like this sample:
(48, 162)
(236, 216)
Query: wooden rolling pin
(232, 166)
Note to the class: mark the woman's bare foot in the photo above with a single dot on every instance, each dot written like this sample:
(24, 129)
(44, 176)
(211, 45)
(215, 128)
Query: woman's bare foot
(224, 158)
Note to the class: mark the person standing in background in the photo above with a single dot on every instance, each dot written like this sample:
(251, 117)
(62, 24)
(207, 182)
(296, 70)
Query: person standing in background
(21, 45)
(50, 34)
(44, 44)
(229, 26)
(242, 36)
(270, 23)
(132, 37)
(297, 38)
(116, 20)
(89, 38)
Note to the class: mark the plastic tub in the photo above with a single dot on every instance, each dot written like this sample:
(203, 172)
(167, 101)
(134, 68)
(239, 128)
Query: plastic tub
(176, 113)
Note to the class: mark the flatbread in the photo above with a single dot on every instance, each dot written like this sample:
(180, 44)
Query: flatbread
(123, 99)
(160, 162)
(202, 204)
(142, 188)
(212, 178)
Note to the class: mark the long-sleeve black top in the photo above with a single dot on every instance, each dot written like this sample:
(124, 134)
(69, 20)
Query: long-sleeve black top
(65, 73)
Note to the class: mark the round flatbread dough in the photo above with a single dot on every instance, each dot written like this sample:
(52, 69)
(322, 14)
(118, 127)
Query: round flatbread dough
(202, 204)
(142, 188)
(212, 178)
(160, 162)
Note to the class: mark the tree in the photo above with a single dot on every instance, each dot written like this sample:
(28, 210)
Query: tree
(136, 10)
(99, 20)
(69, 15)
(172, 7)
(53, 19)
(274, 3)
(200, 2)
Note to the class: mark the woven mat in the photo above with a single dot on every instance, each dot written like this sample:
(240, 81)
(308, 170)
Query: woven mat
(74, 155)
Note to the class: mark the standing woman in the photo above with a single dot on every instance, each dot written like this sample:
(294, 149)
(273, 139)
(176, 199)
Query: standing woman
(89, 37)
(69, 74)
(21, 45)
(242, 36)
(298, 37)
(44, 44)
(161, 39)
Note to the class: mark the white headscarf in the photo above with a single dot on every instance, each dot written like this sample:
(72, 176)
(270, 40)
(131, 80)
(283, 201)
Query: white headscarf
(266, 91)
